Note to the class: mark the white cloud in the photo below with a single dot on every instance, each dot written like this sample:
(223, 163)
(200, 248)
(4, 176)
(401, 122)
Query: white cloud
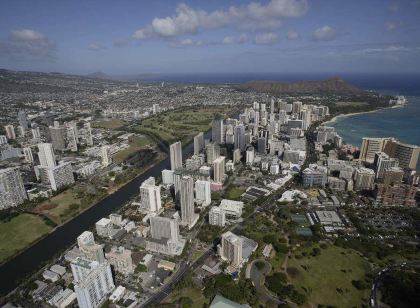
(387, 49)
(28, 43)
(254, 16)
(96, 46)
(325, 33)
(188, 42)
(266, 38)
(293, 35)
(123, 42)
(235, 39)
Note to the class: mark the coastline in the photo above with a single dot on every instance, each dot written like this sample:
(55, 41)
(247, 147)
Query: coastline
(346, 115)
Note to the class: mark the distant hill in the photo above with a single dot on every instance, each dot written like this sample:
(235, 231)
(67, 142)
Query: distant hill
(99, 75)
(334, 85)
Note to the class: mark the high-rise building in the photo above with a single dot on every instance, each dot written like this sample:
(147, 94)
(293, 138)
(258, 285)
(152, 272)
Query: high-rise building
(236, 156)
(58, 137)
(383, 162)
(12, 191)
(92, 282)
(364, 179)
(198, 143)
(219, 169)
(72, 138)
(23, 120)
(314, 175)
(3, 139)
(176, 155)
(202, 192)
(167, 177)
(88, 134)
(370, 146)
(212, 152)
(150, 196)
(188, 216)
(165, 237)
(164, 228)
(296, 107)
(262, 145)
(217, 216)
(106, 156)
(10, 132)
(231, 248)
(392, 176)
(27, 153)
(239, 132)
(89, 248)
(60, 176)
(397, 194)
(36, 133)
(217, 131)
(250, 155)
(46, 155)
(407, 154)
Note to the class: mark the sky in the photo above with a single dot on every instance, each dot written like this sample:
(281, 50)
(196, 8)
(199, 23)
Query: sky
(167, 36)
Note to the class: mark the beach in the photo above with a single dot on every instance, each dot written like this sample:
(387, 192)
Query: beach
(346, 115)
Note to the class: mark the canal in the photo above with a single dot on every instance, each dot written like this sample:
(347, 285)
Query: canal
(26, 263)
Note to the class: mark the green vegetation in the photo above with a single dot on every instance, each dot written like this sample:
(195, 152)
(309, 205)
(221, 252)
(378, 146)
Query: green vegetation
(401, 289)
(140, 268)
(187, 297)
(209, 233)
(234, 192)
(135, 144)
(325, 276)
(241, 291)
(67, 204)
(182, 124)
(356, 104)
(19, 232)
(109, 123)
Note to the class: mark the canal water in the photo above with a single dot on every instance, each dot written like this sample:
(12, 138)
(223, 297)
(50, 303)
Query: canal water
(26, 263)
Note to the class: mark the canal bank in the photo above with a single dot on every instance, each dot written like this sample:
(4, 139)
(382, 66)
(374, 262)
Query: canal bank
(14, 271)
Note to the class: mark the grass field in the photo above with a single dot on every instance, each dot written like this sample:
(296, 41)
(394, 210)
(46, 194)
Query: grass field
(135, 145)
(198, 299)
(181, 124)
(19, 232)
(234, 192)
(109, 124)
(326, 279)
(59, 208)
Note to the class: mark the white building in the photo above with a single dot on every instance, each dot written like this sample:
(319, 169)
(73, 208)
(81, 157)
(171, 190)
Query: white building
(231, 207)
(165, 236)
(176, 155)
(106, 156)
(230, 248)
(150, 196)
(203, 192)
(92, 282)
(167, 177)
(58, 176)
(12, 191)
(104, 227)
(27, 153)
(188, 216)
(46, 155)
(10, 132)
(219, 169)
(217, 216)
(89, 248)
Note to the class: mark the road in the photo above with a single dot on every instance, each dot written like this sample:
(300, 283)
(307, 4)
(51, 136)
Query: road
(258, 277)
(185, 268)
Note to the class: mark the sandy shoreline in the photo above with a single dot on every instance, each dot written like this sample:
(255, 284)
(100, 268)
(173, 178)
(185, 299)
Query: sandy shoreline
(346, 115)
